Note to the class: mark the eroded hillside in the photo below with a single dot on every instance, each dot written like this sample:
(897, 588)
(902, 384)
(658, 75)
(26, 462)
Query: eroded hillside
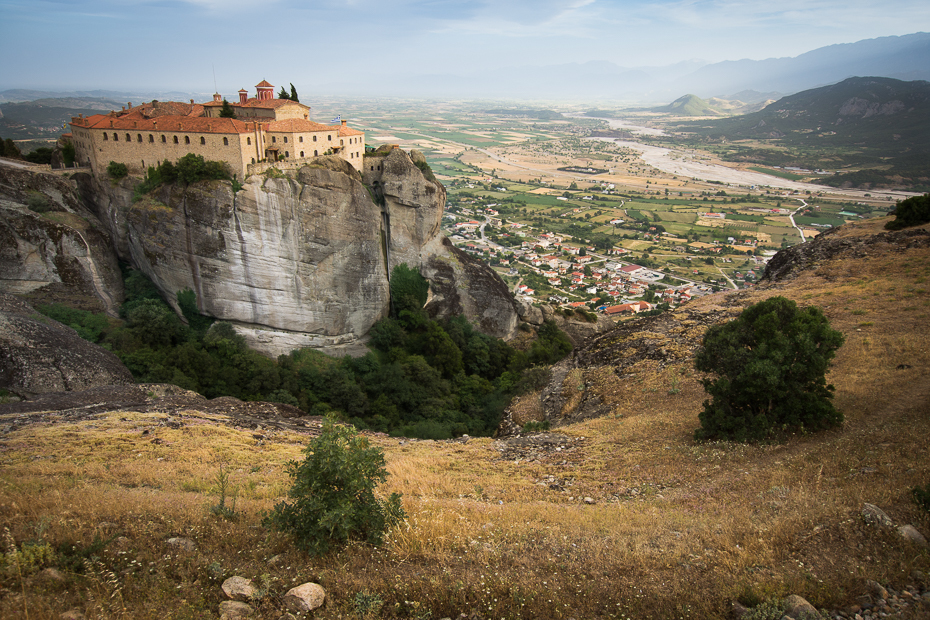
(618, 513)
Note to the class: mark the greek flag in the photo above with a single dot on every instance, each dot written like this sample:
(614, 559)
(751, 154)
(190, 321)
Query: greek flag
(338, 119)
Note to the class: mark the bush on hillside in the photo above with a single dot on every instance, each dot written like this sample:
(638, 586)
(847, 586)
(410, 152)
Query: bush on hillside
(911, 212)
(332, 500)
(117, 170)
(770, 365)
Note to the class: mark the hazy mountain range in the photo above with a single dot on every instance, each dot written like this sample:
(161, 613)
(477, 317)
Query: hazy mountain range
(905, 58)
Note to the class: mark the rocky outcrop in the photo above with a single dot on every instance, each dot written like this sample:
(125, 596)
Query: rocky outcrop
(39, 355)
(302, 259)
(47, 237)
(788, 263)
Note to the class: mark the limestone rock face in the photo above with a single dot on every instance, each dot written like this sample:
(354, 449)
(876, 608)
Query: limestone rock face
(39, 355)
(47, 237)
(303, 259)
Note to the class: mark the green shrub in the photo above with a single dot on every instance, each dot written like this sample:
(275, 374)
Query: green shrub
(922, 497)
(37, 202)
(534, 426)
(332, 500)
(117, 170)
(770, 365)
(911, 212)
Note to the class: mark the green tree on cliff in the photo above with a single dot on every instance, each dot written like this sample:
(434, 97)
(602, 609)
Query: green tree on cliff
(294, 93)
(227, 111)
(283, 94)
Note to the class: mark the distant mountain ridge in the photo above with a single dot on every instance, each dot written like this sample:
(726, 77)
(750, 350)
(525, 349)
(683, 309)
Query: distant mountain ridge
(881, 126)
(902, 57)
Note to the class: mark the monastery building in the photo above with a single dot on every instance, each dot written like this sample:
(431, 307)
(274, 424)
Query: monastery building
(265, 129)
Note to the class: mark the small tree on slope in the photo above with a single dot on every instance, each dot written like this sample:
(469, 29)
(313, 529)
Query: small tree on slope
(770, 365)
(333, 500)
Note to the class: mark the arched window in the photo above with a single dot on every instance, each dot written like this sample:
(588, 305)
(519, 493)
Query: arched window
(249, 142)
(301, 154)
(151, 138)
(225, 141)
(274, 139)
(176, 140)
(285, 139)
(314, 138)
(329, 137)
(187, 139)
(105, 137)
(115, 137)
(164, 139)
(286, 154)
(203, 140)
(342, 143)
(128, 138)
(138, 137)
(253, 160)
(301, 139)
(315, 153)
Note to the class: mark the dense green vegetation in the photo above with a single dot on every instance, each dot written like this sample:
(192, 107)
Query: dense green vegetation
(332, 500)
(424, 378)
(770, 365)
(911, 212)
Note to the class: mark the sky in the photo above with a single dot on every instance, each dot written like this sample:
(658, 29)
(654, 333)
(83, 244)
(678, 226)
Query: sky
(338, 45)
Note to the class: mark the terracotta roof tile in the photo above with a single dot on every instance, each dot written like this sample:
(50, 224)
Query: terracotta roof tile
(348, 131)
(297, 124)
(267, 103)
(183, 124)
(264, 84)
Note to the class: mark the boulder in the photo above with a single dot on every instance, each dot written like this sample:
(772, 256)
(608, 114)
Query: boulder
(873, 515)
(235, 610)
(305, 597)
(239, 589)
(912, 534)
(185, 544)
(797, 607)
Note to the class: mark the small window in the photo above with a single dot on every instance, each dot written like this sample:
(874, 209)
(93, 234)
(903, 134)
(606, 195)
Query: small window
(285, 139)
(138, 137)
(203, 140)
(175, 139)
(314, 153)
(273, 139)
(314, 138)
(286, 154)
(301, 154)
(249, 142)
(105, 137)
(151, 138)
(115, 137)
(128, 138)
(253, 160)
(187, 139)
(164, 139)
(225, 141)
(342, 143)
(301, 139)
(329, 137)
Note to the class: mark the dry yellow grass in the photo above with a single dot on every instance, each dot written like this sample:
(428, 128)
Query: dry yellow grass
(678, 529)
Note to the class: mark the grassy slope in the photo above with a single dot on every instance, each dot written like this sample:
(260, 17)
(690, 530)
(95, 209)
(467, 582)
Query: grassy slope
(679, 528)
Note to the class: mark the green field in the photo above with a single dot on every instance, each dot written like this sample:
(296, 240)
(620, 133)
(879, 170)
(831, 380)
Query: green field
(782, 174)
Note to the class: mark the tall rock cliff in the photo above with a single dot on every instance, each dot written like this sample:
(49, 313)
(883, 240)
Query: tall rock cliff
(49, 240)
(302, 258)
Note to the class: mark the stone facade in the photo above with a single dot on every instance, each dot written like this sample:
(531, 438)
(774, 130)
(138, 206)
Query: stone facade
(276, 129)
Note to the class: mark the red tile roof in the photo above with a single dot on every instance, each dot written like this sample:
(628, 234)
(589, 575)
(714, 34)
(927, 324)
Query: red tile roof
(184, 124)
(264, 84)
(293, 125)
(266, 103)
(348, 131)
